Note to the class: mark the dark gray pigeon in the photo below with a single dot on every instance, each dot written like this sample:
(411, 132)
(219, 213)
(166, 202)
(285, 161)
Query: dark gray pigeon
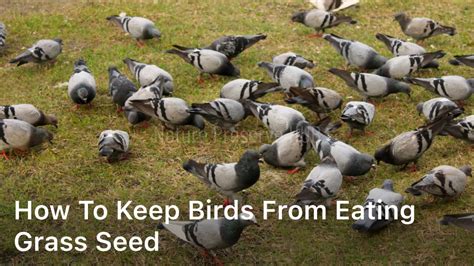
(239, 89)
(225, 113)
(139, 28)
(321, 185)
(464, 220)
(384, 198)
(42, 51)
(27, 113)
(231, 46)
(435, 107)
(318, 99)
(147, 74)
(81, 86)
(467, 60)
(292, 59)
(462, 129)
(3, 36)
(422, 28)
(114, 144)
(371, 85)
(404, 65)
(228, 178)
(206, 60)
(410, 146)
(278, 119)
(455, 88)
(358, 115)
(356, 53)
(120, 87)
(442, 181)
(288, 76)
(319, 20)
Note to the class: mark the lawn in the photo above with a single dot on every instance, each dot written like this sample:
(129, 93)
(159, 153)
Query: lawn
(70, 170)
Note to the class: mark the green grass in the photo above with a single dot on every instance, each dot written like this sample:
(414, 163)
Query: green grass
(70, 170)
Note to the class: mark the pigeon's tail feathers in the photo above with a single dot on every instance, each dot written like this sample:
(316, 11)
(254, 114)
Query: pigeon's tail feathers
(22, 58)
(160, 226)
(197, 121)
(154, 32)
(344, 75)
(264, 88)
(429, 57)
(437, 125)
(433, 64)
(420, 82)
(183, 48)
(344, 19)
(413, 191)
(447, 30)
(180, 53)
(326, 126)
(454, 62)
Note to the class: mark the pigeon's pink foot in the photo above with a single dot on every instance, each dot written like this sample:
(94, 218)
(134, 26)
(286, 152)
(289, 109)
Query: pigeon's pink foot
(413, 168)
(227, 202)
(4, 155)
(119, 109)
(315, 35)
(140, 44)
(293, 171)
(369, 133)
(350, 179)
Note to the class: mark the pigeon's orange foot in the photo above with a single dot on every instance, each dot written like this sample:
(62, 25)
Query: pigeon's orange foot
(369, 133)
(227, 202)
(140, 44)
(119, 109)
(315, 35)
(293, 171)
(200, 80)
(413, 168)
(4, 155)
(350, 179)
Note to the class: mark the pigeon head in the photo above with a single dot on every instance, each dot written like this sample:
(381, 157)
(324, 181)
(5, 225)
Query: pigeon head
(400, 16)
(419, 107)
(131, 63)
(113, 71)
(80, 62)
(248, 219)
(467, 170)
(388, 184)
(298, 16)
(383, 154)
(386, 39)
(106, 151)
(41, 135)
(250, 156)
(267, 66)
(51, 120)
(264, 148)
(400, 87)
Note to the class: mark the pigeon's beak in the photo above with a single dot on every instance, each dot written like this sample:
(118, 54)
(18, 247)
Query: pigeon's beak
(261, 160)
(374, 166)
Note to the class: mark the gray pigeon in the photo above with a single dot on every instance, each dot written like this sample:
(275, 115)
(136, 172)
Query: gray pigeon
(239, 89)
(278, 119)
(319, 20)
(467, 60)
(206, 60)
(409, 146)
(358, 115)
(292, 59)
(333, 5)
(464, 220)
(228, 178)
(233, 45)
(442, 181)
(404, 65)
(20, 135)
(422, 28)
(462, 129)
(455, 88)
(148, 74)
(139, 28)
(350, 161)
(120, 87)
(371, 85)
(225, 113)
(321, 185)
(435, 107)
(210, 234)
(288, 76)
(42, 51)
(81, 86)
(133, 115)
(27, 113)
(356, 53)
(383, 198)
(114, 144)
(318, 99)
(3, 36)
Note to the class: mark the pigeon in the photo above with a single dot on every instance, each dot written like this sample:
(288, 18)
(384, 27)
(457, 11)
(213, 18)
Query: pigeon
(358, 115)
(455, 88)
(321, 185)
(292, 59)
(139, 28)
(148, 74)
(356, 53)
(27, 113)
(404, 65)
(467, 60)
(240, 89)
(410, 146)
(210, 234)
(462, 129)
(228, 178)
(232, 46)
(464, 220)
(381, 199)
(41, 51)
(288, 76)
(278, 119)
(114, 144)
(3, 36)
(225, 113)
(442, 181)
(320, 20)
(81, 86)
(435, 107)
(21, 135)
(333, 5)
(318, 99)
(206, 60)
(422, 28)
(371, 85)
(350, 161)
(120, 87)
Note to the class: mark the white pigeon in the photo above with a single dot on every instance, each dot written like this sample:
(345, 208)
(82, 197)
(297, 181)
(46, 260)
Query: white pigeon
(41, 51)
(28, 113)
(114, 144)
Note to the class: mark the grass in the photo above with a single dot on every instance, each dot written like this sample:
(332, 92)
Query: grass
(70, 170)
